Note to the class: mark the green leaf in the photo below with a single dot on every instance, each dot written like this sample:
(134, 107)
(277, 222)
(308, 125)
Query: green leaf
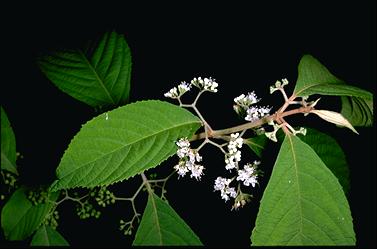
(314, 78)
(330, 153)
(20, 218)
(303, 203)
(123, 142)
(46, 236)
(358, 111)
(98, 75)
(8, 145)
(257, 144)
(162, 226)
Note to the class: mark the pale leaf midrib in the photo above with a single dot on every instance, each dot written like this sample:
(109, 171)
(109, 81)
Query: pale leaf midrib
(130, 144)
(297, 180)
(46, 236)
(156, 217)
(249, 142)
(97, 76)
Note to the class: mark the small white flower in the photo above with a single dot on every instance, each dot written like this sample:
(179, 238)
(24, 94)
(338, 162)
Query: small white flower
(183, 142)
(187, 159)
(181, 169)
(173, 93)
(207, 84)
(248, 174)
(222, 185)
(183, 88)
(246, 101)
(197, 171)
(256, 113)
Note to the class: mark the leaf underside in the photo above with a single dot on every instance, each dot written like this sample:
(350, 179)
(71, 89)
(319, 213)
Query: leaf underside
(8, 145)
(122, 143)
(303, 203)
(315, 78)
(98, 75)
(162, 226)
(358, 111)
(46, 236)
(20, 218)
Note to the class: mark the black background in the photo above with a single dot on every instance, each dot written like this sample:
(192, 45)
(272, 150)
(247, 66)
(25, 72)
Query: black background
(244, 47)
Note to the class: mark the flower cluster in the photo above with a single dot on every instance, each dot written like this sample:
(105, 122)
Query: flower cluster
(248, 175)
(243, 105)
(206, 84)
(177, 92)
(222, 185)
(187, 160)
(234, 155)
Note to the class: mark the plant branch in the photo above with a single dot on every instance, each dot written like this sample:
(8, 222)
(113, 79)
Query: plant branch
(250, 125)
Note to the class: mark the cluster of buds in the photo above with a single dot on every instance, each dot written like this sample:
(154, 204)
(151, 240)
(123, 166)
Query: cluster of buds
(10, 181)
(104, 197)
(244, 107)
(187, 160)
(86, 210)
(248, 175)
(278, 85)
(206, 84)
(52, 219)
(38, 196)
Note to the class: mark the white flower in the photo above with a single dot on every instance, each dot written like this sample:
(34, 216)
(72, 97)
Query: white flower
(256, 113)
(196, 171)
(181, 169)
(248, 174)
(207, 84)
(246, 101)
(173, 93)
(183, 142)
(187, 159)
(183, 88)
(234, 155)
(222, 185)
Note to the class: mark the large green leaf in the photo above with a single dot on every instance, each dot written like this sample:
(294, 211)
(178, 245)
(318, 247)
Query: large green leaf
(46, 236)
(8, 145)
(98, 75)
(123, 142)
(20, 218)
(330, 153)
(315, 78)
(162, 226)
(303, 203)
